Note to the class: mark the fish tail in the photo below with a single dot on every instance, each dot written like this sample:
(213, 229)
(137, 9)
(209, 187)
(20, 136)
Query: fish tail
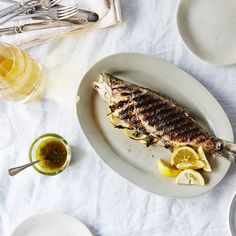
(227, 152)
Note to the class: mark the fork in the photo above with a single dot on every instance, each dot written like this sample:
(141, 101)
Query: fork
(60, 13)
(22, 7)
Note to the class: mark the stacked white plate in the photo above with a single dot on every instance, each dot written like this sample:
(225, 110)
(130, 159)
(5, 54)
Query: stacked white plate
(50, 224)
(232, 216)
(208, 29)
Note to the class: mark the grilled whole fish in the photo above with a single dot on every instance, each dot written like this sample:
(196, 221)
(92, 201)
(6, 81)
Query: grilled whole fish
(156, 116)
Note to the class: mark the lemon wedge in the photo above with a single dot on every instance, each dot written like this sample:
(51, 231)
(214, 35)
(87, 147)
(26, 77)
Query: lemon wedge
(117, 121)
(166, 169)
(202, 156)
(134, 134)
(197, 164)
(190, 177)
(183, 154)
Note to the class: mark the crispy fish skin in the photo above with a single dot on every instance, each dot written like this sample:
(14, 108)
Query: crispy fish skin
(157, 116)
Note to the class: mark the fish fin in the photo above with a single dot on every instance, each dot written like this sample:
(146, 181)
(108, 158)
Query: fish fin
(228, 151)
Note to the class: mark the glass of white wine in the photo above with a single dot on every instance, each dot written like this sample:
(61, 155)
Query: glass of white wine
(21, 77)
(21, 80)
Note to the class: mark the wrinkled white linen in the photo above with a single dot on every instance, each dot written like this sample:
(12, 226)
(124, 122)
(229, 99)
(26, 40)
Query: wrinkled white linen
(88, 190)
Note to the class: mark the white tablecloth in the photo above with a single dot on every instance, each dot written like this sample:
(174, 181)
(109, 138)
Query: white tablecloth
(88, 190)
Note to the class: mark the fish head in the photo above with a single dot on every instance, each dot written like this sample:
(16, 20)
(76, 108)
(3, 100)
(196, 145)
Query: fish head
(103, 87)
(110, 88)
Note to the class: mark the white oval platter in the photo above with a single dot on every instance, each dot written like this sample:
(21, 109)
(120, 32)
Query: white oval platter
(129, 158)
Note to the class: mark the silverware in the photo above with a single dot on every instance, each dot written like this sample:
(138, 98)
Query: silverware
(60, 13)
(15, 7)
(18, 8)
(30, 3)
(82, 14)
(40, 26)
(89, 15)
(16, 170)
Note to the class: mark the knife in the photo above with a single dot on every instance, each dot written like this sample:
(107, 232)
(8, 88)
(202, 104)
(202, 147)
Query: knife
(39, 26)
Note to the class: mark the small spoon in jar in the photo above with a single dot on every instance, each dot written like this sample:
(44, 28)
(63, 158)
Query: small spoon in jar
(16, 170)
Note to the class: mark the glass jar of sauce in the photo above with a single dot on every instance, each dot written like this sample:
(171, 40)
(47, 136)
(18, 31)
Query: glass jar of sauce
(53, 153)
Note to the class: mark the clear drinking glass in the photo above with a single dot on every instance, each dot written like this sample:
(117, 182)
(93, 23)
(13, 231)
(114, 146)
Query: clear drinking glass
(21, 77)
(21, 80)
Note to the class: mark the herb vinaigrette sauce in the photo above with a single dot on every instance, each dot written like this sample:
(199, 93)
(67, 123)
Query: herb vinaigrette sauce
(53, 153)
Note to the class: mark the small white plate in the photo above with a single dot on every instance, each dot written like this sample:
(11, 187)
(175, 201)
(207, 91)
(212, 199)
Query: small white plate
(129, 158)
(51, 224)
(232, 216)
(208, 28)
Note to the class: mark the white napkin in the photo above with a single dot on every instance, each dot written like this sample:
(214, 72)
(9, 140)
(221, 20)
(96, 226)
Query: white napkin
(108, 11)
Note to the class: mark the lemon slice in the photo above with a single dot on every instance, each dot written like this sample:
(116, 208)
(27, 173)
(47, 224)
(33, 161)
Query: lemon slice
(183, 154)
(134, 134)
(117, 121)
(202, 156)
(166, 169)
(191, 165)
(190, 177)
